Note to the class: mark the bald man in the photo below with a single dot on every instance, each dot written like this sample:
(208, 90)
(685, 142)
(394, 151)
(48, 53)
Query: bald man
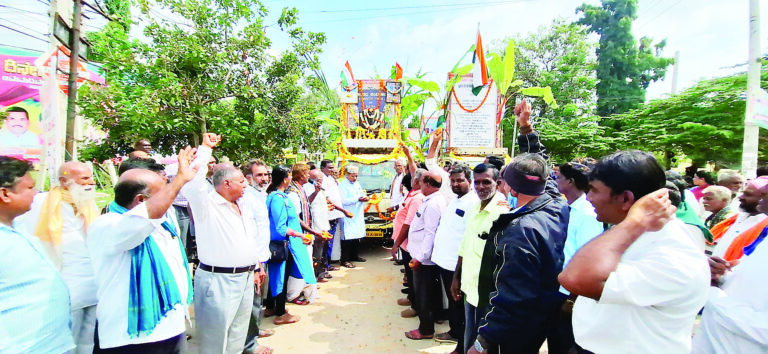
(421, 240)
(60, 218)
(227, 237)
(144, 283)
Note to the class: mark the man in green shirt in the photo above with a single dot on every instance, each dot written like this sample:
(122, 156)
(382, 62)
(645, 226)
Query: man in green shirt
(479, 219)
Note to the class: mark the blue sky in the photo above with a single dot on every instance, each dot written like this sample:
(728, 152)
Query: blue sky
(711, 35)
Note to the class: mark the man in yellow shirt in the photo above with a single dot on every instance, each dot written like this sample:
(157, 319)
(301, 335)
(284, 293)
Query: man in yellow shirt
(479, 219)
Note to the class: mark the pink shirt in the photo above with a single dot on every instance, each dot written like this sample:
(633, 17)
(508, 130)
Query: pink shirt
(406, 214)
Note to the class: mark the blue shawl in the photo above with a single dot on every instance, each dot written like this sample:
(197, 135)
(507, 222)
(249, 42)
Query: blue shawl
(153, 290)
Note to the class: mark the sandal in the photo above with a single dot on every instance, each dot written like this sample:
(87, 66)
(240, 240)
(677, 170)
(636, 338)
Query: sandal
(347, 265)
(300, 302)
(416, 335)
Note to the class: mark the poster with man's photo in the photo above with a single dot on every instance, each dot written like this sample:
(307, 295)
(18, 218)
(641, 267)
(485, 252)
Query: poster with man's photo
(20, 82)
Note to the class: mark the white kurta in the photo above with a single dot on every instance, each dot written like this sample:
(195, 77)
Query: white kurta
(76, 266)
(353, 228)
(735, 318)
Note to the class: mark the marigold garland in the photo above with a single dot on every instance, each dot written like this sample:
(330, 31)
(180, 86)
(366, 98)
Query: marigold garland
(481, 102)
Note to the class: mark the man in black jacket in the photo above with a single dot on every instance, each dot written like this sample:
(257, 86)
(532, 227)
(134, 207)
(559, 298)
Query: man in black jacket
(525, 251)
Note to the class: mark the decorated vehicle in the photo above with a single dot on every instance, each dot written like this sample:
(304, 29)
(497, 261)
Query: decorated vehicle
(370, 118)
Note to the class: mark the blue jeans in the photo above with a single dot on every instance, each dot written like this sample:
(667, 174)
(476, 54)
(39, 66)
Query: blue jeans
(472, 316)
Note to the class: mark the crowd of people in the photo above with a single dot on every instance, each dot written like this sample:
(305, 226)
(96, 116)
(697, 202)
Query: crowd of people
(120, 280)
(608, 256)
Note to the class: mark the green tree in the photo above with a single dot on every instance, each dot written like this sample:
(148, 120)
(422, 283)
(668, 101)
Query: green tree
(204, 66)
(560, 56)
(703, 123)
(625, 68)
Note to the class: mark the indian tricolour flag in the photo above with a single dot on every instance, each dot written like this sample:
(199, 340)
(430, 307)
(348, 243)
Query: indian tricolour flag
(480, 70)
(347, 79)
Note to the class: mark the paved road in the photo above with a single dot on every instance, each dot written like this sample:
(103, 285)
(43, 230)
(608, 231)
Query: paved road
(356, 313)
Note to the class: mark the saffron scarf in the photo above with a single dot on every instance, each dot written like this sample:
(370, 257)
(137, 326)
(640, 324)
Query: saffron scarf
(153, 290)
(51, 222)
(736, 248)
(719, 230)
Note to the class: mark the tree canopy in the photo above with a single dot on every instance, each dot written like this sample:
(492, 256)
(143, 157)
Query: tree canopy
(625, 68)
(704, 122)
(205, 68)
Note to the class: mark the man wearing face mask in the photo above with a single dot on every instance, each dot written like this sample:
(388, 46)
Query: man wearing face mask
(479, 218)
(524, 252)
(60, 218)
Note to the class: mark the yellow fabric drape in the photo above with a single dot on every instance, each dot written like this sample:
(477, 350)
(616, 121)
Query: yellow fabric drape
(51, 221)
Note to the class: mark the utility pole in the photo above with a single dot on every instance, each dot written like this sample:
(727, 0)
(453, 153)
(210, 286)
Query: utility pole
(675, 72)
(74, 44)
(751, 131)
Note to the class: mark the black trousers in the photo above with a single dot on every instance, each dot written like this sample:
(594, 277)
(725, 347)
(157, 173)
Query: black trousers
(173, 345)
(277, 302)
(560, 335)
(319, 255)
(408, 277)
(426, 284)
(349, 250)
(455, 309)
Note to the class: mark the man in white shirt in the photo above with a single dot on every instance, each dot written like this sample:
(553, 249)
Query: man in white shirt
(60, 218)
(256, 196)
(446, 250)
(15, 130)
(396, 195)
(227, 236)
(641, 283)
(144, 283)
(747, 218)
(421, 239)
(331, 187)
(735, 318)
(320, 222)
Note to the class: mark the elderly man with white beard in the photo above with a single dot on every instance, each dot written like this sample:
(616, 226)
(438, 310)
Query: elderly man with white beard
(60, 218)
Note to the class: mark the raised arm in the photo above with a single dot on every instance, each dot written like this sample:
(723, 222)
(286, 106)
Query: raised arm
(197, 189)
(411, 164)
(588, 270)
(159, 203)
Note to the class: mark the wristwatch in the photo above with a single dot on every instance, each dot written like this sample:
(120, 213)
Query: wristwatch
(479, 347)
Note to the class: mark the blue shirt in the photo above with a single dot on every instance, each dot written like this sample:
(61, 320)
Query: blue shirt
(582, 228)
(34, 300)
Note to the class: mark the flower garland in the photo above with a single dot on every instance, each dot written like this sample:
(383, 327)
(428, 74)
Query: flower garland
(395, 92)
(362, 98)
(487, 92)
(374, 201)
(345, 155)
